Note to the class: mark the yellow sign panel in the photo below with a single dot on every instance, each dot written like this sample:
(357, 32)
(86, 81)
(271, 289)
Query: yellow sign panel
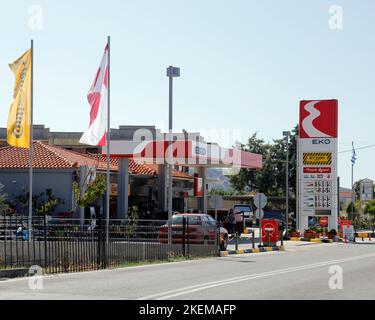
(317, 159)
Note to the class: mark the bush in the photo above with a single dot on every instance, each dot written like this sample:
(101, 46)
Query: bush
(4, 206)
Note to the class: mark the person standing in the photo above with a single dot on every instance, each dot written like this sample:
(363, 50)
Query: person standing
(232, 221)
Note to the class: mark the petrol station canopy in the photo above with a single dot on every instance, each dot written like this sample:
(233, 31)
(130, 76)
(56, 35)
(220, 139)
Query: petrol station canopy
(185, 153)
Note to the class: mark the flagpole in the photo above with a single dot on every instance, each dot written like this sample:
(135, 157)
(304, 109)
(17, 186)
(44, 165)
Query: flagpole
(353, 198)
(108, 140)
(31, 142)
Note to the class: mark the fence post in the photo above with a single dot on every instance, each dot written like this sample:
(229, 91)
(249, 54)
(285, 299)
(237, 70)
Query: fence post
(183, 236)
(106, 244)
(188, 237)
(45, 242)
(99, 241)
(5, 241)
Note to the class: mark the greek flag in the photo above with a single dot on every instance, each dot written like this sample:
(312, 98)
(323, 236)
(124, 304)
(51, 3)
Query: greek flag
(354, 156)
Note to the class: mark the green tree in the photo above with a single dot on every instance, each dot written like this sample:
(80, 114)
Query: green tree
(356, 209)
(4, 206)
(370, 209)
(43, 204)
(271, 179)
(47, 203)
(220, 192)
(94, 191)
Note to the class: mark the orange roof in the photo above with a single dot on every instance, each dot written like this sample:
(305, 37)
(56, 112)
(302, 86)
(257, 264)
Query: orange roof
(51, 157)
(46, 156)
(345, 194)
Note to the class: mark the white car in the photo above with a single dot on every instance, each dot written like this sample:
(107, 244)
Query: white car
(247, 211)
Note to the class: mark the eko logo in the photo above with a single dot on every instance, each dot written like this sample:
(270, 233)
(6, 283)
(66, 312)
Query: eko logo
(321, 141)
(318, 119)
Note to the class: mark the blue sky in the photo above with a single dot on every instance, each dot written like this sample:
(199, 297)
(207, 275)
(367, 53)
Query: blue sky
(245, 64)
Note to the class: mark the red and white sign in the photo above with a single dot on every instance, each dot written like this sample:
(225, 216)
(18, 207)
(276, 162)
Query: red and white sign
(319, 119)
(184, 152)
(323, 221)
(317, 179)
(270, 227)
(198, 186)
(317, 170)
(344, 223)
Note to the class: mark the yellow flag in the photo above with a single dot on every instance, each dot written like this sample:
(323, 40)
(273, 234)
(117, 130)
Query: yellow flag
(18, 130)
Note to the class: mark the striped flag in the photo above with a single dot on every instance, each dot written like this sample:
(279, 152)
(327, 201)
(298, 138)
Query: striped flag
(354, 156)
(95, 135)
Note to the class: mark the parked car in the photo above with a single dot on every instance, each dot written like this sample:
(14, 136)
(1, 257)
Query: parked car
(200, 229)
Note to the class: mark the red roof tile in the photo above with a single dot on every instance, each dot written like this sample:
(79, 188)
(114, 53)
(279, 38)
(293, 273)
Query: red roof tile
(47, 157)
(51, 157)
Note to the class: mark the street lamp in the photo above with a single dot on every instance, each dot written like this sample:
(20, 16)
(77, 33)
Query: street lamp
(286, 134)
(172, 72)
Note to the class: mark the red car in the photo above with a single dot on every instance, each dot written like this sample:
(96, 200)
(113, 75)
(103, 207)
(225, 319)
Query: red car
(200, 229)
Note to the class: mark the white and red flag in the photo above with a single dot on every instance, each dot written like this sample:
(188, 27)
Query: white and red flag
(95, 135)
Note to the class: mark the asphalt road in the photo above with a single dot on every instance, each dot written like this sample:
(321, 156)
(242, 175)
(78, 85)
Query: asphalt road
(302, 272)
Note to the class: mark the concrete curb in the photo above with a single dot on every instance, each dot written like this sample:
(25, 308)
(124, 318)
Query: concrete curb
(312, 240)
(14, 273)
(248, 251)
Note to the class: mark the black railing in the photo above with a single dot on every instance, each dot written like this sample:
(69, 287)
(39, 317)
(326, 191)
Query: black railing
(68, 245)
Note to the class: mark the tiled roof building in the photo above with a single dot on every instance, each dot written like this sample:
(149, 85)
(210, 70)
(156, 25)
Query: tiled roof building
(52, 157)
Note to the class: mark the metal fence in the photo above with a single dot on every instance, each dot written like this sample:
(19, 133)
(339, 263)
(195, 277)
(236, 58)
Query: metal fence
(60, 246)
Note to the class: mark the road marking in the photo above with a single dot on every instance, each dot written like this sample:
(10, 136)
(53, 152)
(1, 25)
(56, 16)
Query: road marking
(204, 286)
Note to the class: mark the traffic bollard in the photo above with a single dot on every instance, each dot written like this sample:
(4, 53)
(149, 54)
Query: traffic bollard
(236, 235)
(282, 238)
(253, 239)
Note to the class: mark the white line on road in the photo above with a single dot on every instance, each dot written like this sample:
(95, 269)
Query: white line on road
(204, 286)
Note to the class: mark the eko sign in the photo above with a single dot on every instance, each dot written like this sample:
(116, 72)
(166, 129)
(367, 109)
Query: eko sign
(317, 162)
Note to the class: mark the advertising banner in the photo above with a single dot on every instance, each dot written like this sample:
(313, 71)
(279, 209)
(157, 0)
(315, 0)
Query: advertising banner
(198, 186)
(317, 162)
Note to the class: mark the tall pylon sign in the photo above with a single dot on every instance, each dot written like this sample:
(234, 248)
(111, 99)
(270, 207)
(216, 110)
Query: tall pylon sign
(317, 164)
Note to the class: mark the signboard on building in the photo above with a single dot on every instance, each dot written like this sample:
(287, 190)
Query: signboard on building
(366, 189)
(317, 162)
(198, 186)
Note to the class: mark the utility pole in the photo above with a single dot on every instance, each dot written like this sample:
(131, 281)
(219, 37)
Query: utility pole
(286, 134)
(172, 72)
